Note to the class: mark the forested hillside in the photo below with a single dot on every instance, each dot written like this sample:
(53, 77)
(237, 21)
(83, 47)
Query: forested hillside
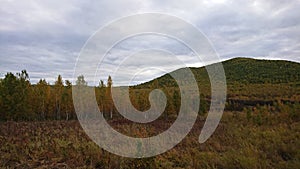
(245, 71)
(249, 82)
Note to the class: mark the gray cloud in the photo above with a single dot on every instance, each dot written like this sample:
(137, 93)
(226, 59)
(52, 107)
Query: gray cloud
(45, 37)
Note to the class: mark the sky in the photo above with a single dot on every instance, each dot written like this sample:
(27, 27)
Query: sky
(45, 37)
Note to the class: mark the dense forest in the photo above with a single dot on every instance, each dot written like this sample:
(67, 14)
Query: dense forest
(250, 82)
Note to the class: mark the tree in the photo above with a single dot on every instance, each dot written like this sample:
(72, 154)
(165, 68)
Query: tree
(8, 92)
(41, 90)
(58, 87)
(101, 84)
(14, 94)
(108, 97)
(68, 83)
(80, 81)
(82, 88)
(100, 95)
(67, 100)
(24, 87)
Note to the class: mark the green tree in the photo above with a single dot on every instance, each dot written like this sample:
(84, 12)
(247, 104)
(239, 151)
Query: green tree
(68, 101)
(58, 87)
(24, 92)
(41, 96)
(8, 93)
(81, 81)
(15, 91)
(68, 84)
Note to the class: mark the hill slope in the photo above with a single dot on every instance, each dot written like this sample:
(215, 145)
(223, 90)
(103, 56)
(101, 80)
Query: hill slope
(261, 71)
(243, 71)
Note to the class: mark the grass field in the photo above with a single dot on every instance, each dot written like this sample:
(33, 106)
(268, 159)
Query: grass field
(240, 141)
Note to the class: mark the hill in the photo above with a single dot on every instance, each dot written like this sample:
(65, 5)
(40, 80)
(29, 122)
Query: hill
(243, 71)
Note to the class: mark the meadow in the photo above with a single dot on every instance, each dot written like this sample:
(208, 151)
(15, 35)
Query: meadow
(240, 141)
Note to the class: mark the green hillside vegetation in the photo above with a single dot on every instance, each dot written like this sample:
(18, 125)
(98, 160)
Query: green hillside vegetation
(244, 71)
(247, 79)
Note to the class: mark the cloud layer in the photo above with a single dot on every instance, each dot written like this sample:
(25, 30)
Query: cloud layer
(45, 37)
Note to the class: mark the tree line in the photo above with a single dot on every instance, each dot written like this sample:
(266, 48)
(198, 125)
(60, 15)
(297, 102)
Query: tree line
(22, 101)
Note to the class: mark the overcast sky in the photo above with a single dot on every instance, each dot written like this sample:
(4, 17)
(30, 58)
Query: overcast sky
(45, 37)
